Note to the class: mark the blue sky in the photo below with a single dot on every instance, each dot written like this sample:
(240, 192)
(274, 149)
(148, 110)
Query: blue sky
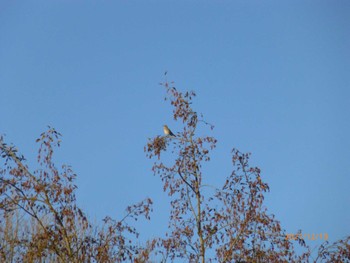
(273, 76)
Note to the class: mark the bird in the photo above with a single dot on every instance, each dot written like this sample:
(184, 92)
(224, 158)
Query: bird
(167, 131)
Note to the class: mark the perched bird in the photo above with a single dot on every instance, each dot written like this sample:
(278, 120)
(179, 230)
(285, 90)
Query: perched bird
(167, 131)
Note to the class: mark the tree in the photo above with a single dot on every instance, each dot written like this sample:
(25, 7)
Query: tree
(230, 225)
(40, 220)
(45, 199)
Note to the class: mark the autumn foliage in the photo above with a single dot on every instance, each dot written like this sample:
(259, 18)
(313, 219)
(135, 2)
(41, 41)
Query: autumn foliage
(229, 225)
(40, 220)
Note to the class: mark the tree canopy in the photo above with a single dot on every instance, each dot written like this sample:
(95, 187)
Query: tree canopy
(40, 220)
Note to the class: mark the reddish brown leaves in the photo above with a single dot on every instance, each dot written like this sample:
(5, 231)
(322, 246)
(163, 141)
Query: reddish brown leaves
(53, 227)
(232, 223)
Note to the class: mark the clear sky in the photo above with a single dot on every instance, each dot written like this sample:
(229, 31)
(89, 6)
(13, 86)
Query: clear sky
(273, 76)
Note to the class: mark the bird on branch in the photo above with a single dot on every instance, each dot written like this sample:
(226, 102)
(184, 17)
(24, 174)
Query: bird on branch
(167, 131)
